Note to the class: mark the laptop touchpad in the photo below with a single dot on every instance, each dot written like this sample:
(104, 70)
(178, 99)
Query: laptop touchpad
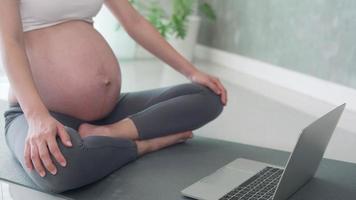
(227, 176)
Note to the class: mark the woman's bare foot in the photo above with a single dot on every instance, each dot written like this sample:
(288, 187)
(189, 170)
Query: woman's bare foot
(151, 145)
(89, 129)
(121, 129)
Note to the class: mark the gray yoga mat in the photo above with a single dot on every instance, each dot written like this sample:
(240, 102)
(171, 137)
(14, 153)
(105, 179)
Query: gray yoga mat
(162, 175)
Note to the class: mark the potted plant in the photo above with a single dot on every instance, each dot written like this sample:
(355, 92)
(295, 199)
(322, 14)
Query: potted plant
(179, 24)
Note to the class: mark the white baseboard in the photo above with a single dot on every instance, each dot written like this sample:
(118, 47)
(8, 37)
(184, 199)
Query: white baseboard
(303, 92)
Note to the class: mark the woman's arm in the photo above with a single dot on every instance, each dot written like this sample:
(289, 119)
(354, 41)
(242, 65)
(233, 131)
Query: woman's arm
(15, 61)
(148, 37)
(17, 68)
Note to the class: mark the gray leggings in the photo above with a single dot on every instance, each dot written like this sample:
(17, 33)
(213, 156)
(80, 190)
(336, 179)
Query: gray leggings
(155, 113)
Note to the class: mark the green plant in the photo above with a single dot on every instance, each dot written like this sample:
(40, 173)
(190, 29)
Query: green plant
(174, 24)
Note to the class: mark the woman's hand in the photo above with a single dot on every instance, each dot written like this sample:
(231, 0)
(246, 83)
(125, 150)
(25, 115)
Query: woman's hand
(41, 143)
(210, 81)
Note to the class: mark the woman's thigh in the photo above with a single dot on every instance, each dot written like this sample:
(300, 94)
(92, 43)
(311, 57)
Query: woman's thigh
(88, 160)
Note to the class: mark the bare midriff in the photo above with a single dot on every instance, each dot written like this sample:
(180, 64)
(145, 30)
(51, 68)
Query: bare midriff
(74, 70)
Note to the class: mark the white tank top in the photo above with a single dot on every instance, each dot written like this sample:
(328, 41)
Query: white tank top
(36, 14)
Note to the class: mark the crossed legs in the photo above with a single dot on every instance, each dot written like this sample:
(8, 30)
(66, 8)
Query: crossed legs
(185, 102)
(140, 123)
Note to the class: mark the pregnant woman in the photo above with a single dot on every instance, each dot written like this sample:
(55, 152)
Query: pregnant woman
(68, 124)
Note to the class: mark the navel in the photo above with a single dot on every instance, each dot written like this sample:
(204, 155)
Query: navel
(107, 82)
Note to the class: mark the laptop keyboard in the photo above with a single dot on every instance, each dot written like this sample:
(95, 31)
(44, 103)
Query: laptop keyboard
(259, 187)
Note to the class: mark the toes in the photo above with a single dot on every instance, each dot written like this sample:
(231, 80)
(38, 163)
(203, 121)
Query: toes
(183, 137)
(190, 134)
(187, 135)
(147, 146)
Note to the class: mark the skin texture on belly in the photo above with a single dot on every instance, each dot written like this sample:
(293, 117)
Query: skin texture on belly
(74, 70)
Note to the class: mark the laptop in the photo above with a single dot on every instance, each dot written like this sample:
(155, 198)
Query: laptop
(252, 180)
(13, 191)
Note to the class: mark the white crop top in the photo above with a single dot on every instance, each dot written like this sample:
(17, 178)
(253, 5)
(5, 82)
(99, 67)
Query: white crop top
(36, 14)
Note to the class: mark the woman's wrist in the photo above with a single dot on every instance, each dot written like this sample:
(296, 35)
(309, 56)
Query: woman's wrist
(36, 112)
(190, 71)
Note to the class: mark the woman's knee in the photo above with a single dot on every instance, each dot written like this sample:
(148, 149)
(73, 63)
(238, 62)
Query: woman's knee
(211, 101)
(66, 177)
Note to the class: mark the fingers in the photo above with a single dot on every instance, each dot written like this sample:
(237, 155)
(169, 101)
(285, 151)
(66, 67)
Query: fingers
(27, 155)
(35, 157)
(213, 87)
(57, 154)
(212, 83)
(39, 156)
(222, 90)
(46, 159)
(41, 143)
(64, 136)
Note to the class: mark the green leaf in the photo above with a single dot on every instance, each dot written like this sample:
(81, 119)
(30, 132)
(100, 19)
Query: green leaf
(178, 26)
(208, 11)
(175, 24)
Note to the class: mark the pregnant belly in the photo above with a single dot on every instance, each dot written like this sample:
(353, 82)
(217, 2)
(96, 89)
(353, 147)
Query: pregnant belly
(74, 69)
